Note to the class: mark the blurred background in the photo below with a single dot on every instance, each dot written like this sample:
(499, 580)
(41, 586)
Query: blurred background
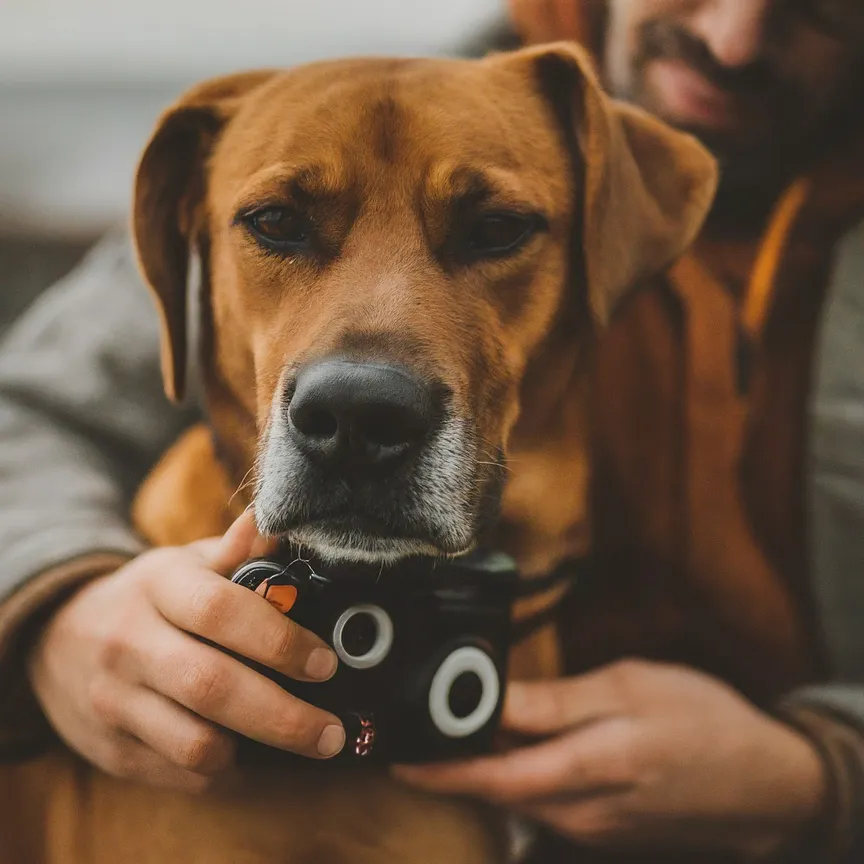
(82, 82)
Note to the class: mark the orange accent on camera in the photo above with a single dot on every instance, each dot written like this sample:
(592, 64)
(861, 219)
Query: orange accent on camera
(281, 597)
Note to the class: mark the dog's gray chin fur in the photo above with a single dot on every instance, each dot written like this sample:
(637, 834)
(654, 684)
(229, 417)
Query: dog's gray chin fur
(357, 548)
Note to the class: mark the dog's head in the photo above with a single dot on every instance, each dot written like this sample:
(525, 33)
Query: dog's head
(389, 248)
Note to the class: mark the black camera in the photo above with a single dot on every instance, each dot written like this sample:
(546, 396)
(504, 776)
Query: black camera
(422, 650)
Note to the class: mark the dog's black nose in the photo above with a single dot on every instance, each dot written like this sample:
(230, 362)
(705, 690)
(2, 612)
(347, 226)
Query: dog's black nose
(359, 414)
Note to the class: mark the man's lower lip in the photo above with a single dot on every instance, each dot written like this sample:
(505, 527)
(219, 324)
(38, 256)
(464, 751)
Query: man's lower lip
(687, 97)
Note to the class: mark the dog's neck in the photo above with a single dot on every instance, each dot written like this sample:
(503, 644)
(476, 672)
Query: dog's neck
(545, 513)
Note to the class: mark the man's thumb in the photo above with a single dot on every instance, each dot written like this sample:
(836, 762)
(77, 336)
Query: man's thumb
(239, 543)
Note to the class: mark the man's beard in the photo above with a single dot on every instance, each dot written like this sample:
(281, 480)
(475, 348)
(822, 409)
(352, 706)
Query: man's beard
(756, 161)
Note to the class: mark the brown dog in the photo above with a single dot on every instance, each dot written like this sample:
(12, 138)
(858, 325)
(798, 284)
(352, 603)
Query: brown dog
(405, 263)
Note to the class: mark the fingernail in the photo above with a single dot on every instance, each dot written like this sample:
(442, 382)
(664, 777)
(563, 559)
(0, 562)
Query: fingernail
(332, 740)
(321, 664)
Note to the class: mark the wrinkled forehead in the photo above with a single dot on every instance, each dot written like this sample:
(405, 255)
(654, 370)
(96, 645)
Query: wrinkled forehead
(416, 125)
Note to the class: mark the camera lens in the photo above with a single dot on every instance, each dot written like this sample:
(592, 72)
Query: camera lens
(363, 636)
(359, 634)
(465, 694)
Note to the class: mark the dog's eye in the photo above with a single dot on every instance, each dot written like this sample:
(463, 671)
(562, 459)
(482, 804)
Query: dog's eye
(497, 234)
(280, 228)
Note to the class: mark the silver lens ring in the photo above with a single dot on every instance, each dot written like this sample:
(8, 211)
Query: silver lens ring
(383, 640)
(465, 659)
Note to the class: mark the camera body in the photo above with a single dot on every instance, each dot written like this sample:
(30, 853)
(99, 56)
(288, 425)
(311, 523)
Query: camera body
(422, 650)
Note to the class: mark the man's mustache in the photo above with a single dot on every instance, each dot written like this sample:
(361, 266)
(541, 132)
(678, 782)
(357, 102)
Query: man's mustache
(663, 40)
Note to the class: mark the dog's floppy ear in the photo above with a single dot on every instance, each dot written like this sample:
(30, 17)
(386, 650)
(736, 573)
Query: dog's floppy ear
(167, 212)
(647, 187)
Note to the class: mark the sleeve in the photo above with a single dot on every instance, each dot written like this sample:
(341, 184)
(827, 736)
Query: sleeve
(831, 717)
(83, 418)
(831, 714)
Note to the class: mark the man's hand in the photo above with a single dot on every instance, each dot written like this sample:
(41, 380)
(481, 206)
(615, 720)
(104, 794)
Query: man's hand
(125, 684)
(538, 21)
(645, 754)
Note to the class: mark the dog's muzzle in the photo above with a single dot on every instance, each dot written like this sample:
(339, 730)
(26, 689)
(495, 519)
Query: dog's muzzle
(367, 461)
